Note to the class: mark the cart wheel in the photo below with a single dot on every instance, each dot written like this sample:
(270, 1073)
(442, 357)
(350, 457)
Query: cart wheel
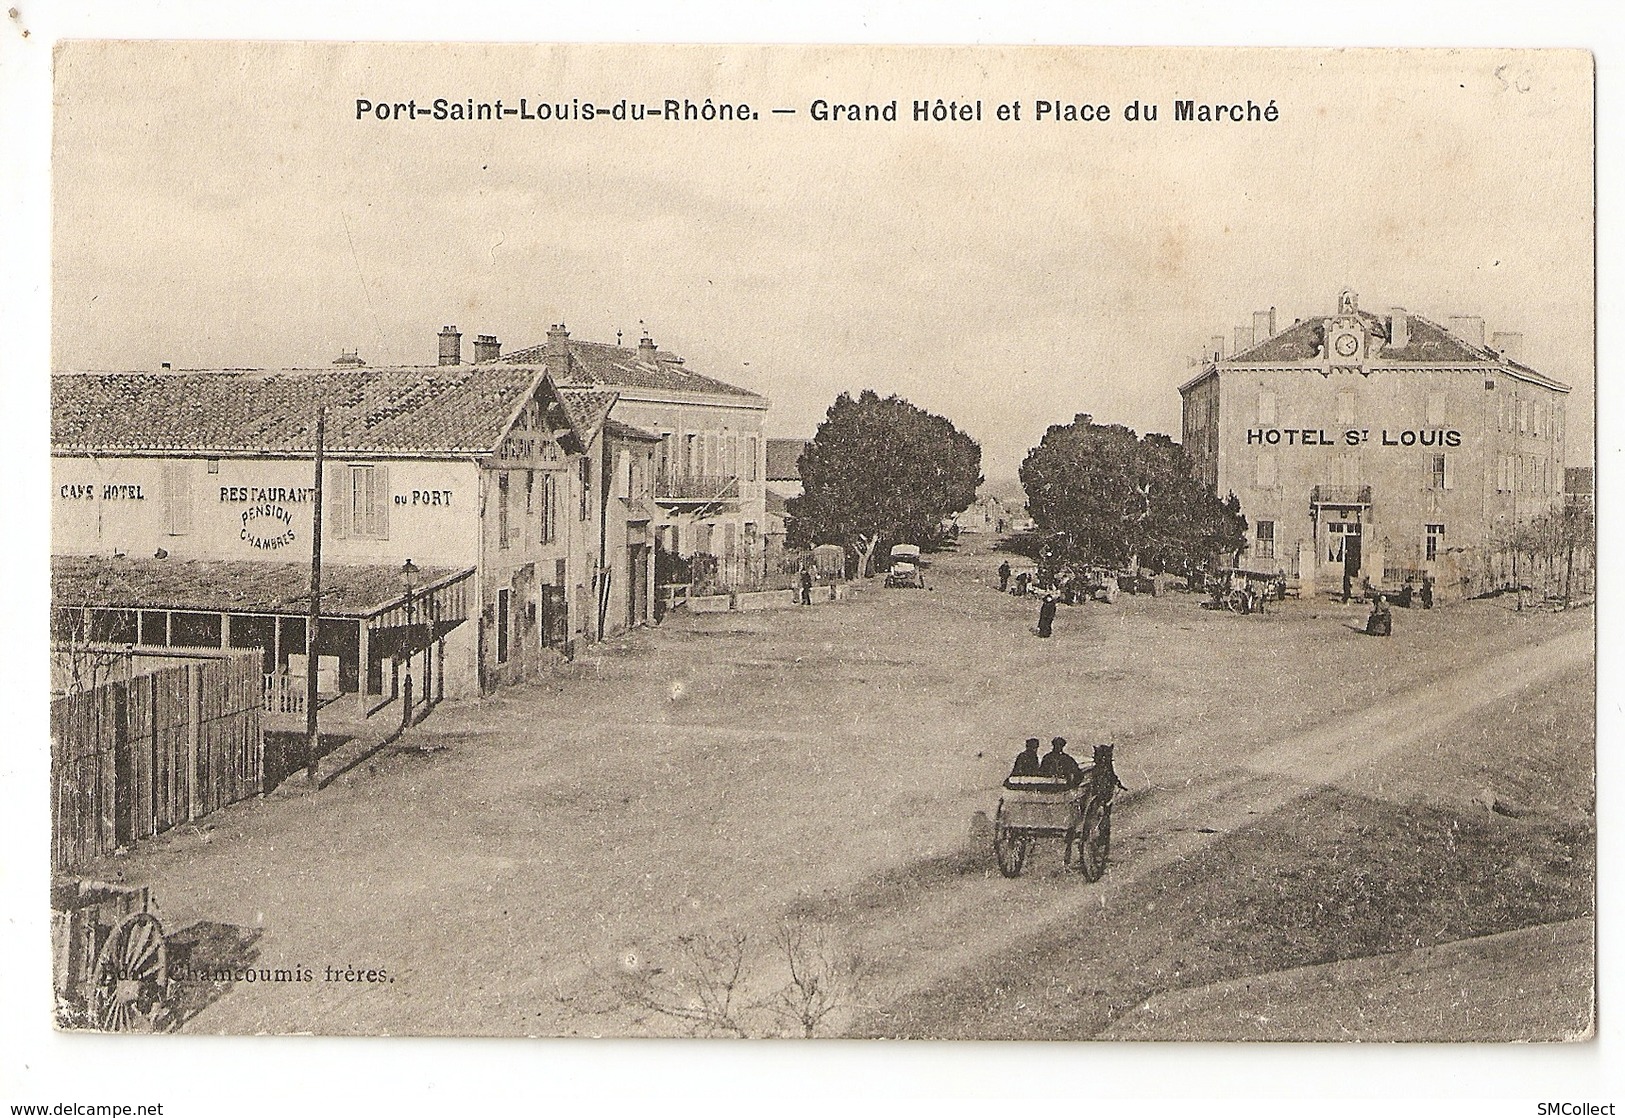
(1087, 843)
(1010, 848)
(131, 975)
(1236, 601)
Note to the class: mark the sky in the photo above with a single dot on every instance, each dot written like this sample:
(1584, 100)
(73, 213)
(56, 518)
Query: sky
(219, 204)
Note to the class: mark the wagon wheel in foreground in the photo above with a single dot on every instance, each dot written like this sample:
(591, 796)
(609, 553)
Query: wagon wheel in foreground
(131, 975)
(1009, 847)
(1088, 841)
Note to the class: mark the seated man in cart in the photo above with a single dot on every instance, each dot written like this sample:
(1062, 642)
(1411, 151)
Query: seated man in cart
(1028, 763)
(1057, 764)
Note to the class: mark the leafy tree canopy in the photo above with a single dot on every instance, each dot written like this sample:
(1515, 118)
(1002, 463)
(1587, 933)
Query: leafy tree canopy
(882, 470)
(1104, 496)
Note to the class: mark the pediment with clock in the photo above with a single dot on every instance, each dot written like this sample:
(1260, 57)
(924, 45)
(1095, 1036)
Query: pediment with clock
(1348, 339)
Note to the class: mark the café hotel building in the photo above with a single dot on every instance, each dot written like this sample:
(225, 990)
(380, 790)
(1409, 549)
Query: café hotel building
(1377, 448)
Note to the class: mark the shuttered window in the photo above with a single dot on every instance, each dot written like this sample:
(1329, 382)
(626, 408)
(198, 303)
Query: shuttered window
(358, 496)
(550, 507)
(178, 497)
(1266, 409)
(502, 509)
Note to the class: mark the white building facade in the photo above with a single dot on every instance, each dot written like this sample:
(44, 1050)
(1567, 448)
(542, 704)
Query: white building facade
(1376, 449)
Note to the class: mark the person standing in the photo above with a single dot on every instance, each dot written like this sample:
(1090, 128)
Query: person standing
(1427, 591)
(1046, 615)
(1004, 576)
(806, 586)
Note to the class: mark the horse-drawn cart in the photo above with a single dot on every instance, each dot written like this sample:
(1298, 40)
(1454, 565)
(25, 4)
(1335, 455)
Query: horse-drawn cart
(1242, 591)
(1036, 808)
(110, 955)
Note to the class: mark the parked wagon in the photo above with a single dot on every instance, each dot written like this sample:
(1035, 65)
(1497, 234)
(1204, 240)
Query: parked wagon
(1033, 809)
(111, 956)
(1243, 591)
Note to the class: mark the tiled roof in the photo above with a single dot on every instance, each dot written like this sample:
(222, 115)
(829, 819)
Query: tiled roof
(783, 459)
(1428, 342)
(435, 410)
(627, 431)
(237, 586)
(593, 363)
(588, 409)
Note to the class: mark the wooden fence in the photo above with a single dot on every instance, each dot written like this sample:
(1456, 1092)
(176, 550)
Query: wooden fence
(133, 757)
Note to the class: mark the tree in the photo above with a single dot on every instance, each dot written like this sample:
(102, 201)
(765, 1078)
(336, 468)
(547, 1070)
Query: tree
(1103, 496)
(881, 470)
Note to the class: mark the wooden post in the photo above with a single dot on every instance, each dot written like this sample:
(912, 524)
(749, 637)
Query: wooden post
(194, 728)
(363, 643)
(314, 619)
(225, 630)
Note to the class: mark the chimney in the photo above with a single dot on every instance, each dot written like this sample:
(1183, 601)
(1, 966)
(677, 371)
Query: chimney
(1468, 327)
(451, 346)
(1215, 346)
(1263, 326)
(646, 349)
(486, 348)
(1399, 328)
(1244, 340)
(1508, 344)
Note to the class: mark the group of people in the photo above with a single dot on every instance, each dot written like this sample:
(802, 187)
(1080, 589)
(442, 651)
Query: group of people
(1024, 584)
(1057, 764)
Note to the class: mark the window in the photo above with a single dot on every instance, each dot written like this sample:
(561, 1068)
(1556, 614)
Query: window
(751, 452)
(1266, 409)
(1436, 477)
(586, 488)
(530, 488)
(502, 512)
(1338, 532)
(1266, 539)
(691, 462)
(1264, 467)
(1435, 412)
(214, 465)
(1345, 407)
(366, 505)
(502, 625)
(550, 507)
(1435, 541)
(177, 497)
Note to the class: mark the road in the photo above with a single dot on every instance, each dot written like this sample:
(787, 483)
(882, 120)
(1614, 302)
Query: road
(516, 866)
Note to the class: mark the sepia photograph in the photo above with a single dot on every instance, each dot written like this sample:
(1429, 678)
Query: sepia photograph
(932, 543)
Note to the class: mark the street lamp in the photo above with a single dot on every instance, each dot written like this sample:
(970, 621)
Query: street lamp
(411, 579)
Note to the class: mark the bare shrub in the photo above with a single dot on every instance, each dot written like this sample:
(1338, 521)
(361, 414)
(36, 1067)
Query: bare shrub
(724, 985)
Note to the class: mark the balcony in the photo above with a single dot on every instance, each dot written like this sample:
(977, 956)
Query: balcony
(1340, 497)
(696, 488)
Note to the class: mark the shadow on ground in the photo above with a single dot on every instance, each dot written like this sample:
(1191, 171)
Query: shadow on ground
(205, 959)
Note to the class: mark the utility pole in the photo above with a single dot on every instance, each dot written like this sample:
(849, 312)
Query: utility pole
(314, 619)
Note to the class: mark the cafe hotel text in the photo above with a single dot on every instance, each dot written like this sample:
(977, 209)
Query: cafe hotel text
(1377, 449)
(479, 520)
